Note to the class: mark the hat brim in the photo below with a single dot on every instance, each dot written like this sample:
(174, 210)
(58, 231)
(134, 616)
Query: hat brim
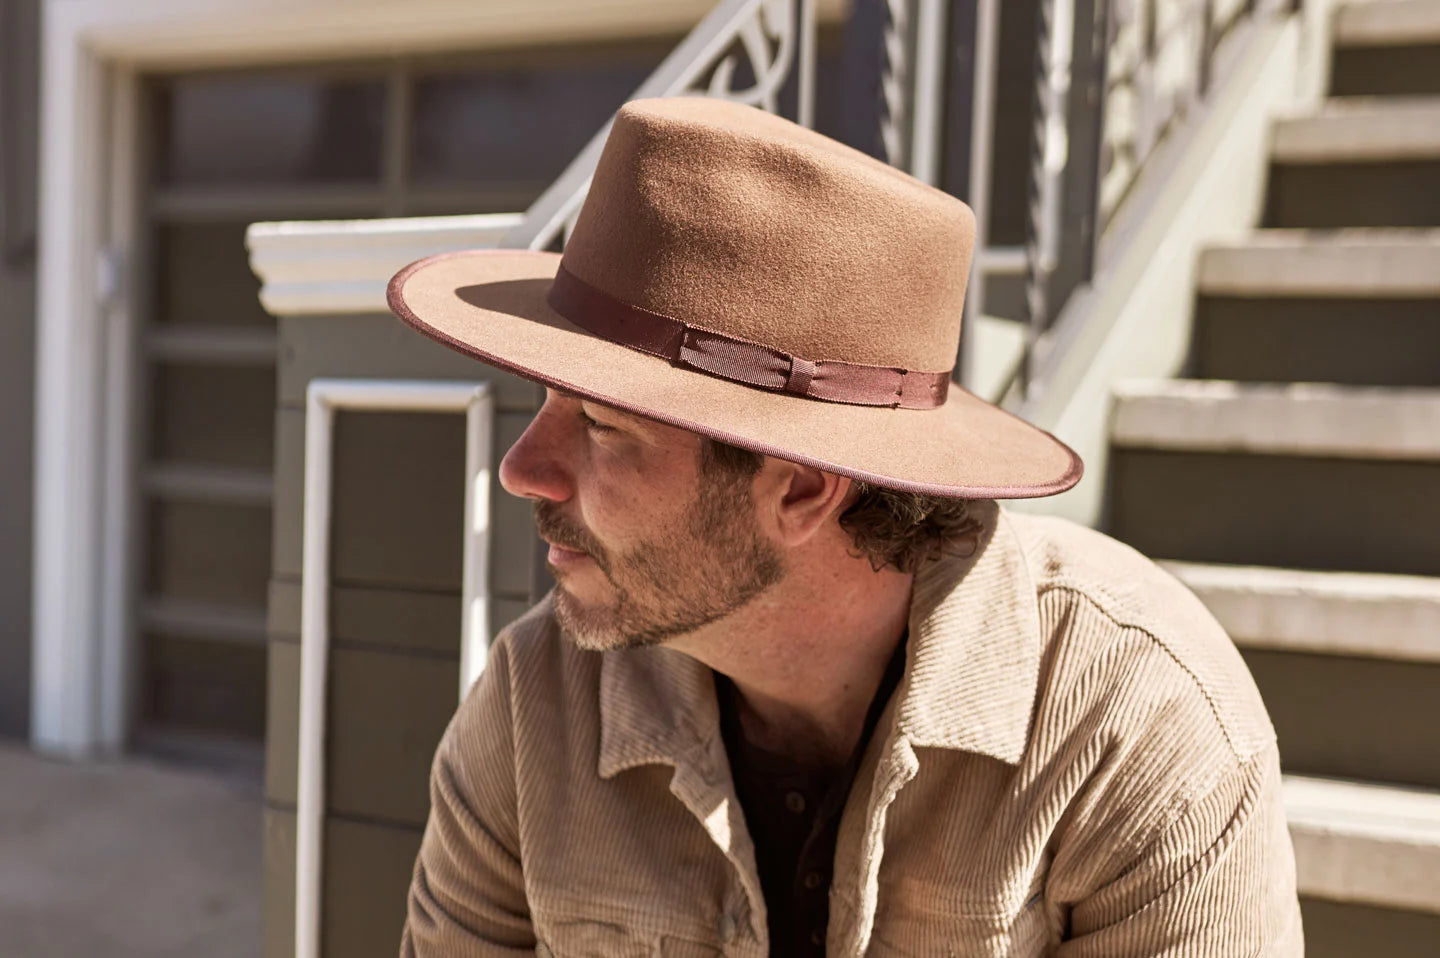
(491, 305)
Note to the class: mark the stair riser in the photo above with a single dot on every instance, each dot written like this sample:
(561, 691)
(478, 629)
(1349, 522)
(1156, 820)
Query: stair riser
(1364, 342)
(1362, 718)
(1344, 194)
(1288, 511)
(1385, 70)
(1344, 930)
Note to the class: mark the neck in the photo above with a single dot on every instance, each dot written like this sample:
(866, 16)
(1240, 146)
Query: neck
(808, 656)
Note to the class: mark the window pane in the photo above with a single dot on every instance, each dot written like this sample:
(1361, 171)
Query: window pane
(514, 123)
(218, 129)
(213, 415)
(204, 276)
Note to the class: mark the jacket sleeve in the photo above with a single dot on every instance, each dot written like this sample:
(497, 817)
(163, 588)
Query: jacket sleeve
(467, 895)
(1217, 880)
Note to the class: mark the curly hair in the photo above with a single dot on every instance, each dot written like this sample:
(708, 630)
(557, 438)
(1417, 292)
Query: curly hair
(890, 528)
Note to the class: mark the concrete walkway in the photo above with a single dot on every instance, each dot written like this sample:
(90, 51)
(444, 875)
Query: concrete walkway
(126, 860)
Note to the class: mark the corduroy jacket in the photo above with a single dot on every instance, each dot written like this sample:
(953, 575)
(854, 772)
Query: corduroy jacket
(1076, 763)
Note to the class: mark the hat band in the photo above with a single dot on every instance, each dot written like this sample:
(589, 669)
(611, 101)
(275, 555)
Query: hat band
(738, 360)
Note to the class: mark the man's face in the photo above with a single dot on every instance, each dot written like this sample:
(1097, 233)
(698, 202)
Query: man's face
(646, 543)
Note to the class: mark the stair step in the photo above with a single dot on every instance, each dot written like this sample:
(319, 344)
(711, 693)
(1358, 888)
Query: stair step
(1360, 162)
(1356, 341)
(1333, 613)
(1336, 929)
(1303, 476)
(1387, 23)
(1291, 419)
(1391, 263)
(1403, 193)
(1360, 128)
(1357, 842)
(1386, 49)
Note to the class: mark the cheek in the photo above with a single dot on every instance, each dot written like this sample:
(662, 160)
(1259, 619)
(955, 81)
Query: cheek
(625, 500)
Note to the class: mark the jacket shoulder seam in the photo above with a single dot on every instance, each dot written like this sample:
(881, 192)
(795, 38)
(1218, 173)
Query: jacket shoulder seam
(1085, 593)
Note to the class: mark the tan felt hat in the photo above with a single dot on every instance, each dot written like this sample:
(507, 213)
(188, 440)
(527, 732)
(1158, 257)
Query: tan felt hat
(743, 277)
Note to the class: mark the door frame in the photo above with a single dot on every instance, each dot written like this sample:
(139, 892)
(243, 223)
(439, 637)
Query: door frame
(92, 55)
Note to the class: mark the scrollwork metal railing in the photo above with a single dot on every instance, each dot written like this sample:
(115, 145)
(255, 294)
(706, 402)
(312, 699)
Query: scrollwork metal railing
(1114, 80)
(757, 52)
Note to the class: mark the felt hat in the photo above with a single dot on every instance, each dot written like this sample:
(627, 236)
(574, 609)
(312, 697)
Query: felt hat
(740, 276)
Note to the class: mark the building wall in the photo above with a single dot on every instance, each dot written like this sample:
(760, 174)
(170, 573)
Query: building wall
(19, 106)
(395, 618)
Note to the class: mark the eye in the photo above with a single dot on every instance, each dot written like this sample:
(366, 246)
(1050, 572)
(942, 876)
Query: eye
(594, 425)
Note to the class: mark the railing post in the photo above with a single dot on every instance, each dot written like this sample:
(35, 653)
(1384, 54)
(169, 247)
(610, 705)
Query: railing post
(1066, 164)
(1048, 149)
(927, 91)
(1207, 49)
(1080, 203)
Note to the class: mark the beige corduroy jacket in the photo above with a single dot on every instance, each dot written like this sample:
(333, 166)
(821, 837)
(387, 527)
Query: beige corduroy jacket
(1076, 762)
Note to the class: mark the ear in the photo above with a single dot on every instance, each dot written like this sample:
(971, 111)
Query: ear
(804, 499)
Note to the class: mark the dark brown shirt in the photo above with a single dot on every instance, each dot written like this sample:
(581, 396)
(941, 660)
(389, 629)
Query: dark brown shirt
(793, 814)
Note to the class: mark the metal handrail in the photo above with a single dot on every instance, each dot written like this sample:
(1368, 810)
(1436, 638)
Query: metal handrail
(776, 37)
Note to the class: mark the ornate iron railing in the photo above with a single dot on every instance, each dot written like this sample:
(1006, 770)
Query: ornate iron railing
(1161, 63)
(758, 52)
(1114, 79)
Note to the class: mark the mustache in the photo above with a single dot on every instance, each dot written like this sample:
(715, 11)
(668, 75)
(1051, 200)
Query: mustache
(566, 533)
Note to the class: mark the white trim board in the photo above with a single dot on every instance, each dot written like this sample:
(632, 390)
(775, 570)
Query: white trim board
(324, 398)
(340, 267)
(181, 34)
(1320, 613)
(1291, 419)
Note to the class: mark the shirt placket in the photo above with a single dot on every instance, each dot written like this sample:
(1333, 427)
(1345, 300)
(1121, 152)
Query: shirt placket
(701, 784)
(853, 908)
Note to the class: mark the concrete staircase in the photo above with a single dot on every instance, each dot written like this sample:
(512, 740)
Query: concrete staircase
(1293, 480)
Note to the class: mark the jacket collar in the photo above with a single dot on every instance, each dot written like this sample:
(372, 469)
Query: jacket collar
(971, 672)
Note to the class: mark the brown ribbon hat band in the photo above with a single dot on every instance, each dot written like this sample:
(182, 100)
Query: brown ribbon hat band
(738, 360)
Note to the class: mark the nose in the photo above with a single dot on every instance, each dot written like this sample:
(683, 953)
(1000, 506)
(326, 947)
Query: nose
(536, 466)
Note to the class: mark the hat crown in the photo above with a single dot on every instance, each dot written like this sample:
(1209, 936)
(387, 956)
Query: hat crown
(731, 219)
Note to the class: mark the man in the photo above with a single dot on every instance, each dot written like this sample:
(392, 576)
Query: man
(801, 687)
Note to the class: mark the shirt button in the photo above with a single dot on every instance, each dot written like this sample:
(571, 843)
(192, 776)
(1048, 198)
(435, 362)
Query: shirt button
(795, 802)
(812, 881)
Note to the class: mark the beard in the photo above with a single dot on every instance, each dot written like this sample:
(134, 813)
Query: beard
(712, 564)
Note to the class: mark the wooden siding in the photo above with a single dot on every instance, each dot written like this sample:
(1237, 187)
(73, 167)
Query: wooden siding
(395, 617)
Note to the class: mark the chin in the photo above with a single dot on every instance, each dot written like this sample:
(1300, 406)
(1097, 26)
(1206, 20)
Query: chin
(584, 624)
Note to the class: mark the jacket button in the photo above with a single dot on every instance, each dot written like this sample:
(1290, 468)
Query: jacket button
(726, 926)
